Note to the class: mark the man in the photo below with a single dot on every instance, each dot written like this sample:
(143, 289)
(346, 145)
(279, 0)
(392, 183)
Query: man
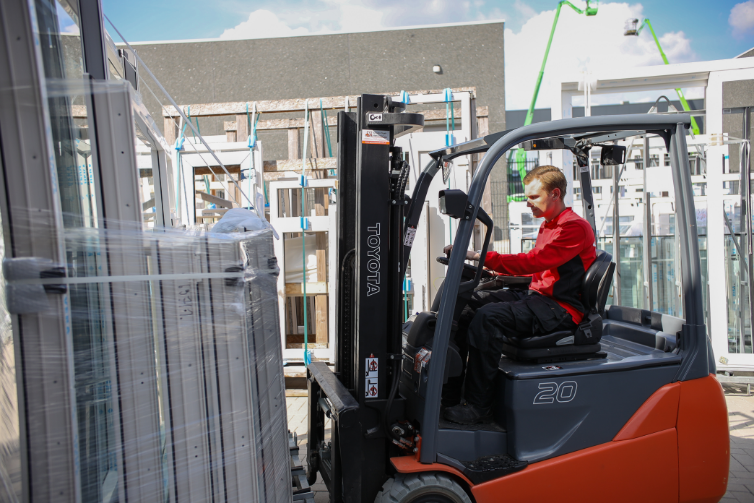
(562, 254)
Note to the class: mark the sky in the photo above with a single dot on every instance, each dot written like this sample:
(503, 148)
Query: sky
(691, 30)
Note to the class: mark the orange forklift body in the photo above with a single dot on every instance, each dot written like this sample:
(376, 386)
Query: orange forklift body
(676, 447)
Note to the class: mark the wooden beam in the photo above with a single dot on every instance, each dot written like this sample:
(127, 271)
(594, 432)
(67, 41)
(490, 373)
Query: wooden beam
(219, 201)
(312, 288)
(437, 115)
(290, 315)
(295, 164)
(294, 144)
(240, 124)
(170, 130)
(316, 135)
(230, 136)
(300, 344)
(273, 166)
(292, 105)
(147, 204)
(321, 331)
(242, 127)
(205, 170)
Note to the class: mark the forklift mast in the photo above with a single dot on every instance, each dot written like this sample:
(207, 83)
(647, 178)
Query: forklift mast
(372, 178)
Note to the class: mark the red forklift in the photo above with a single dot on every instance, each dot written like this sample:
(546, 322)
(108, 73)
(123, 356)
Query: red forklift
(624, 408)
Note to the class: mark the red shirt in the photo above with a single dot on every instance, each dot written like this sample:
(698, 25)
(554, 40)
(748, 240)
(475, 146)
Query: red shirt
(558, 262)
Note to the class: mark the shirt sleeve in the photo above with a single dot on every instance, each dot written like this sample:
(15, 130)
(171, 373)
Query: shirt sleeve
(567, 242)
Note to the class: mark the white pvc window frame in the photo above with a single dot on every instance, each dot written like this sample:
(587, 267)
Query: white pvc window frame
(426, 273)
(283, 225)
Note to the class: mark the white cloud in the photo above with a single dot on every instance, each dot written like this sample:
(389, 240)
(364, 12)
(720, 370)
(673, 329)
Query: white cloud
(581, 43)
(741, 18)
(262, 24)
(355, 16)
(71, 29)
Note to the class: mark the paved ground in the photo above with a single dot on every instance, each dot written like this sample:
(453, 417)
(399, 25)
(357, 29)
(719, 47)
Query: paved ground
(741, 417)
(297, 423)
(740, 412)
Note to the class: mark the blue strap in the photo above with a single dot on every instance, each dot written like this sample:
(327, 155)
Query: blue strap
(449, 115)
(405, 98)
(181, 137)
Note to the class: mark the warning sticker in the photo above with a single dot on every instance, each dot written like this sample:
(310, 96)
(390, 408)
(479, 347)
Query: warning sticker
(372, 367)
(410, 235)
(372, 388)
(374, 137)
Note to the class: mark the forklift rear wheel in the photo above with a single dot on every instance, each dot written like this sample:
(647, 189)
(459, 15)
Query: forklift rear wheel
(422, 488)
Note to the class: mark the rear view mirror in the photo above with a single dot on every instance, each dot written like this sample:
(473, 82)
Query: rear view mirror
(612, 155)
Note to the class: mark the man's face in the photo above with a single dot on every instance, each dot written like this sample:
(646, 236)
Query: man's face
(543, 204)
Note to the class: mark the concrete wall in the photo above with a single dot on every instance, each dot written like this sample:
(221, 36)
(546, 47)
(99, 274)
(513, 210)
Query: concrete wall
(328, 65)
(737, 94)
(471, 55)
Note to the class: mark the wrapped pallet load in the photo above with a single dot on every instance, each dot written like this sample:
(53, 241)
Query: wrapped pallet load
(177, 364)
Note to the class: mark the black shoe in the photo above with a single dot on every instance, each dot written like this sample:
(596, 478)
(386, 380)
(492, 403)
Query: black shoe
(466, 413)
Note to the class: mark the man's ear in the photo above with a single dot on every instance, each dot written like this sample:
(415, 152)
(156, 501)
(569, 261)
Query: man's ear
(555, 192)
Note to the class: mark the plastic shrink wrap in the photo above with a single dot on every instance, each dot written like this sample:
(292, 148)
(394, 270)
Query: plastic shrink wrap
(169, 384)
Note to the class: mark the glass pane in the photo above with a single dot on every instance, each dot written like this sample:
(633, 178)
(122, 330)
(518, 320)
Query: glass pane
(739, 322)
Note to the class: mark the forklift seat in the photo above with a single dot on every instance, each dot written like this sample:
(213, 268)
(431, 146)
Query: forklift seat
(578, 344)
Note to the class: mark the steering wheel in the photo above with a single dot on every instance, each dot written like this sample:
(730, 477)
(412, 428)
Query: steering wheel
(469, 271)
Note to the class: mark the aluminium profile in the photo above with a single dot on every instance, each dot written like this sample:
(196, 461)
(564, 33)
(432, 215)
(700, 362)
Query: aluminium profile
(180, 352)
(135, 381)
(265, 350)
(47, 429)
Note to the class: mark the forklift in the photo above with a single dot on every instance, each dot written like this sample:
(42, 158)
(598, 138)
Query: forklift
(624, 408)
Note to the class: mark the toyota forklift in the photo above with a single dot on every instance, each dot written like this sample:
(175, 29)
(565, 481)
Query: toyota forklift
(624, 408)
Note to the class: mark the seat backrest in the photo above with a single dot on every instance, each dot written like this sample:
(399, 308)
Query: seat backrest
(596, 283)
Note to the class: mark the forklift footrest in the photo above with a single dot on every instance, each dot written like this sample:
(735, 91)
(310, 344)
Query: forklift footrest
(491, 467)
(554, 354)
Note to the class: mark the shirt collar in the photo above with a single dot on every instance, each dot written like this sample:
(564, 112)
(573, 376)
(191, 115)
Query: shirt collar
(554, 222)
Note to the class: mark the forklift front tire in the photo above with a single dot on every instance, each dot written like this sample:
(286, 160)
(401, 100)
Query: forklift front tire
(422, 488)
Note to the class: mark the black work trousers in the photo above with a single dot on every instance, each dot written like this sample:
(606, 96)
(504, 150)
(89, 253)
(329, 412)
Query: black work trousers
(490, 315)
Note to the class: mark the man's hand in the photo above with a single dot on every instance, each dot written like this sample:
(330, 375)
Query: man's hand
(470, 255)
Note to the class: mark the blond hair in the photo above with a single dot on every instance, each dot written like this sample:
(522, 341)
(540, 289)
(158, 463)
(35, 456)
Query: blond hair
(550, 176)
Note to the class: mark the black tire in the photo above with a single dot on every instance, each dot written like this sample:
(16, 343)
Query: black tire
(422, 488)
